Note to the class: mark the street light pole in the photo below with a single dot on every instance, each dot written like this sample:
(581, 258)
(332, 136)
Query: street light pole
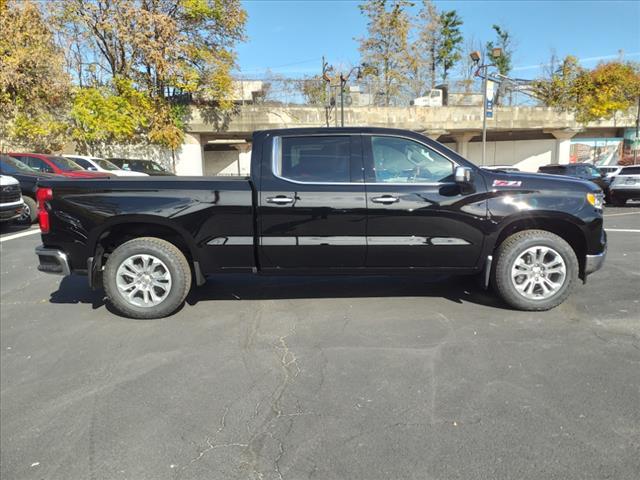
(484, 115)
(342, 83)
(476, 57)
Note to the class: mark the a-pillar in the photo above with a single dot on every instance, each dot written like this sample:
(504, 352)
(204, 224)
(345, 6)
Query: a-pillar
(244, 158)
(190, 155)
(462, 142)
(563, 138)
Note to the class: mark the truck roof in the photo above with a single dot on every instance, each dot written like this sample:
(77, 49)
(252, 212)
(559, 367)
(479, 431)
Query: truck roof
(331, 130)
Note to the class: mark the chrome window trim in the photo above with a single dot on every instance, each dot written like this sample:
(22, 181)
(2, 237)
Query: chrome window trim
(276, 158)
(276, 154)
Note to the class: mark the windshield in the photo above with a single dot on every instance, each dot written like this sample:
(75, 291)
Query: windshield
(146, 165)
(11, 165)
(106, 164)
(65, 163)
(151, 165)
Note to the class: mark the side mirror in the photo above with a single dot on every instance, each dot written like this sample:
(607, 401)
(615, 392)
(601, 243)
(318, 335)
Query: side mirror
(463, 175)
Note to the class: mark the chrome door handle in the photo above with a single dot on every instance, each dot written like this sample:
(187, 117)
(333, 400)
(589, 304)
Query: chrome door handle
(387, 199)
(280, 200)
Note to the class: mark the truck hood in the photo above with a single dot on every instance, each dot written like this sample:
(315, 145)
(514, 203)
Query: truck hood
(537, 181)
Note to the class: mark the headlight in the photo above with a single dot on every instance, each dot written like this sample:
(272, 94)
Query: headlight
(596, 200)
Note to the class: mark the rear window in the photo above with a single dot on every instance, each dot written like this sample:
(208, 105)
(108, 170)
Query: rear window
(11, 165)
(552, 169)
(630, 171)
(315, 159)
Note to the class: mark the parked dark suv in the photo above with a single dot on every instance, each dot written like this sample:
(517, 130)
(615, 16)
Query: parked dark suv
(585, 171)
(138, 165)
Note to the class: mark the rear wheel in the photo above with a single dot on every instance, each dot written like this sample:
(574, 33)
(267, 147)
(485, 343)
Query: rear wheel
(535, 270)
(147, 278)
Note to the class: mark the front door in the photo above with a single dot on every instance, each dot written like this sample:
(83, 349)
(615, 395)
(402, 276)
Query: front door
(418, 216)
(312, 206)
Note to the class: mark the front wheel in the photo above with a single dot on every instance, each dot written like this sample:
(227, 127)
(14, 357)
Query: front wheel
(535, 270)
(29, 212)
(147, 278)
(617, 201)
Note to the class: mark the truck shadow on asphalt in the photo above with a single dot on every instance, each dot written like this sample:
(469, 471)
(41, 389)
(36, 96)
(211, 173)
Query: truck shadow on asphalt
(235, 287)
(461, 289)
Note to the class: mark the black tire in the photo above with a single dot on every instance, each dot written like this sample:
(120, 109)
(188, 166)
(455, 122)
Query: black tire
(510, 250)
(176, 264)
(617, 201)
(30, 213)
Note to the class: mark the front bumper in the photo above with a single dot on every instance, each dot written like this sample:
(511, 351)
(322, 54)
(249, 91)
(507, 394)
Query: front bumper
(593, 263)
(11, 212)
(53, 261)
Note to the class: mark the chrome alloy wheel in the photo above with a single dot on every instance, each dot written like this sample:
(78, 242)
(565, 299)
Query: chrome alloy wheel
(538, 273)
(25, 216)
(143, 280)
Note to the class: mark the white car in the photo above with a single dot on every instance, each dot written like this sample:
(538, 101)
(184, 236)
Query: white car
(11, 203)
(609, 170)
(96, 164)
(625, 185)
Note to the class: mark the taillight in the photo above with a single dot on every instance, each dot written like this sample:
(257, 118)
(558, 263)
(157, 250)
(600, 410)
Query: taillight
(43, 195)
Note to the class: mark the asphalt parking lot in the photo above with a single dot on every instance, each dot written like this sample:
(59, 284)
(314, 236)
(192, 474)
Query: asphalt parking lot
(328, 378)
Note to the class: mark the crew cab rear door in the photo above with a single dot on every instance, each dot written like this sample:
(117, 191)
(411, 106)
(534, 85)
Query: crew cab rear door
(311, 206)
(418, 216)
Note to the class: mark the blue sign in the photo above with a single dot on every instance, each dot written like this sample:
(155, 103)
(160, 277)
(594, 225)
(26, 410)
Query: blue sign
(489, 108)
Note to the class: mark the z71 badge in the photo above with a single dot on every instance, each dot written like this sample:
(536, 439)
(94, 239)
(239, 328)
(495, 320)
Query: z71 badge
(507, 183)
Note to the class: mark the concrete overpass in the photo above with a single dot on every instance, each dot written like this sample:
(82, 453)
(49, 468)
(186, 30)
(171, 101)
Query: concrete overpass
(527, 136)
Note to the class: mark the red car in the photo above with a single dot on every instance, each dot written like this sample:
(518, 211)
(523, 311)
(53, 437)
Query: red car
(55, 164)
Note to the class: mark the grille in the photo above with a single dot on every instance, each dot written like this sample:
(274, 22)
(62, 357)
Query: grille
(9, 194)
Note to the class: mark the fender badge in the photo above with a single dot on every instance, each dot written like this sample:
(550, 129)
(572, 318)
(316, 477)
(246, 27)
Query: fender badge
(507, 183)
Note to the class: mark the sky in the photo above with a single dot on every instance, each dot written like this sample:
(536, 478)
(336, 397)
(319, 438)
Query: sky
(289, 37)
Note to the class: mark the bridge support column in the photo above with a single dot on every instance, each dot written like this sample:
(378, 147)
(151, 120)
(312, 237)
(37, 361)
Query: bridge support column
(562, 154)
(244, 158)
(462, 142)
(190, 156)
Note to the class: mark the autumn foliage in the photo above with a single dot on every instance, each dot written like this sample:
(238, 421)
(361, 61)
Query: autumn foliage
(98, 71)
(591, 94)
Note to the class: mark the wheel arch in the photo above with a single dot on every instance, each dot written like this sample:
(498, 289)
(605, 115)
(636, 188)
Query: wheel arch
(564, 226)
(116, 231)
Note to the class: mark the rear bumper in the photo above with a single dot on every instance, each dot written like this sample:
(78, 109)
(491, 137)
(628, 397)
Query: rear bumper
(593, 263)
(53, 261)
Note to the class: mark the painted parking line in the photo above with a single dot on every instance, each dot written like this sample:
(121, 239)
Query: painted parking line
(627, 230)
(620, 214)
(6, 238)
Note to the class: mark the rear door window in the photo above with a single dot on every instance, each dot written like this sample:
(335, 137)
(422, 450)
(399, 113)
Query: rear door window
(38, 164)
(314, 159)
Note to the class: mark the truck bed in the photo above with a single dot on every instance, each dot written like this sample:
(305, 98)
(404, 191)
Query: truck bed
(203, 211)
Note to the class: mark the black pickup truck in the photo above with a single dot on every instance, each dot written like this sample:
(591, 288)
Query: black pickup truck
(325, 201)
